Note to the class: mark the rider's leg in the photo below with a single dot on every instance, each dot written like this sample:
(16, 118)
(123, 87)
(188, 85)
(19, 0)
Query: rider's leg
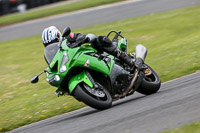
(123, 56)
(104, 43)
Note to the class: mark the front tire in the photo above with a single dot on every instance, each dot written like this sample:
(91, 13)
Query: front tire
(150, 84)
(81, 94)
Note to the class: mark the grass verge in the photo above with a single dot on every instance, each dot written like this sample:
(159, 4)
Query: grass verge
(172, 39)
(29, 15)
(191, 128)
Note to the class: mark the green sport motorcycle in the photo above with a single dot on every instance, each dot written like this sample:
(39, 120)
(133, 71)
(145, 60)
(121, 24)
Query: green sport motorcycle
(97, 79)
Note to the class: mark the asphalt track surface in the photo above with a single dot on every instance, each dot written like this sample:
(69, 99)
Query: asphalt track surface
(176, 104)
(128, 9)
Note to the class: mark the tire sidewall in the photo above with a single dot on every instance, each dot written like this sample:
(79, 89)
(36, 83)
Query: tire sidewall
(81, 94)
(148, 87)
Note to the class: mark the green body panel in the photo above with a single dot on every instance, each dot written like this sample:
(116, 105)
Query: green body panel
(94, 63)
(122, 44)
(77, 58)
(81, 77)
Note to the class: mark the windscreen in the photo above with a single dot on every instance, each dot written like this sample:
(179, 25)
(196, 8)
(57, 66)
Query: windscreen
(50, 51)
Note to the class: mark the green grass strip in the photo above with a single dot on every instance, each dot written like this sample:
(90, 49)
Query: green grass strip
(29, 15)
(191, 128)
(173, 43)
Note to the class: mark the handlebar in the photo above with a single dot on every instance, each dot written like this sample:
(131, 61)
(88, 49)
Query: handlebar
(116, 36)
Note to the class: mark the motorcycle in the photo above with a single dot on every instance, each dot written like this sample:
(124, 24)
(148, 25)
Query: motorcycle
(95, 78)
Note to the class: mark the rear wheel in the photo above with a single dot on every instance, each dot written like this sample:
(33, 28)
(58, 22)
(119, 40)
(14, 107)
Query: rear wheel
(98, 97)
(151, 83)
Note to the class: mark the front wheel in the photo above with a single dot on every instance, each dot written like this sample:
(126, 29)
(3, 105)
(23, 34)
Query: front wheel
(98, 99)
(151, 82)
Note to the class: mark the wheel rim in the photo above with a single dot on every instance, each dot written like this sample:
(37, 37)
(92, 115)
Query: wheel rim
(149, 75)
(97, 91)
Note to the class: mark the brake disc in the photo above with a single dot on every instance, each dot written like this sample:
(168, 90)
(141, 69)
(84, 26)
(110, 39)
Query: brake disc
(97, 91)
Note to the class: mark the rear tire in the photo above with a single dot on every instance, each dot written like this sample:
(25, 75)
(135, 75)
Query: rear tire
(150, 84)
(81, 94)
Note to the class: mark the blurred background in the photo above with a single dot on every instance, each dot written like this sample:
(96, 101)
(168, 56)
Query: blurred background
(168, 28)
(11, 6)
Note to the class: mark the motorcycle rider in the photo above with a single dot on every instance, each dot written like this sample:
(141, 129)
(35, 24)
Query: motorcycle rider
(101, 43)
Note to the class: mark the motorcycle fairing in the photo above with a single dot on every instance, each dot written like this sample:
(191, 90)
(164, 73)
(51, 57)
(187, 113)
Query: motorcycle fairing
(118, 77)
(81, 77)
(77, 58)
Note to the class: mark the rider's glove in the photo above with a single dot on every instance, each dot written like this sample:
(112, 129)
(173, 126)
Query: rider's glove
(139, 63)
(106, 40)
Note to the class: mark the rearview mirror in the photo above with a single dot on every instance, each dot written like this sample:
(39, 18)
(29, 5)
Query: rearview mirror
(34, 79)
(66, 32)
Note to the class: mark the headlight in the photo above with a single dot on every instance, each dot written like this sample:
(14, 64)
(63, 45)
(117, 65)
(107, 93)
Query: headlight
(63, 69)
(65, 59)
(54, 81)
(57, 78)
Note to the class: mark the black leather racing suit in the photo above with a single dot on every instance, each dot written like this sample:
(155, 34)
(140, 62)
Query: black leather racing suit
(101, 43)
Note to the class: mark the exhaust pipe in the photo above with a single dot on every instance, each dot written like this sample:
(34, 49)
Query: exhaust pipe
(140, 52)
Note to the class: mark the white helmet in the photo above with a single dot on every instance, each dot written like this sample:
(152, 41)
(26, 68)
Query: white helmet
(50, 34)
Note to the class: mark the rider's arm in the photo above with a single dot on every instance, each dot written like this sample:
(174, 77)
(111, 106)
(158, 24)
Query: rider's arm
(90, 37)
(77, 39)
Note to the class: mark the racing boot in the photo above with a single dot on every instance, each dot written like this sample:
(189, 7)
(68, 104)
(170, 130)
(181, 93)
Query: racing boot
(112, 49)
(127, 59)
